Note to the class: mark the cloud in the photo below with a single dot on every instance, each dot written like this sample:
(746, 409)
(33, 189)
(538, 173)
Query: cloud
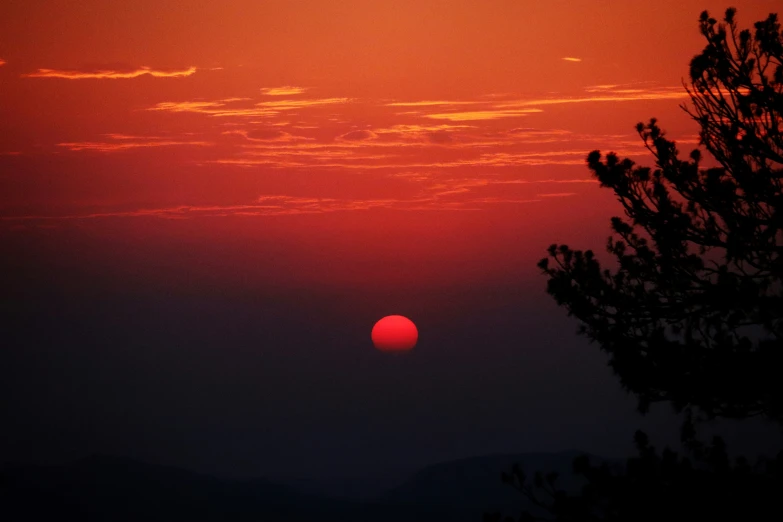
(458, 194)
(533, 131)
(211, 108)
(428, 103)
(221, 108)
(346, 159)
(282, 204)
(110, 73)
(619, 87)
(266, 206)
(412, 147)
(473, 190)
(2, 62)
(572, 59)
(132, 137)
(417, 129)
(557, 195)
(495, 95)
(126, 142)
(286, 90)
(496, 109)
(357, 135)
(545, 181)
(303, 157)
(187, 106)
(509, 159)
(297, 204)
(273, 136)
(489, 114)
(338, 144)
(604, 93)
(284, 105)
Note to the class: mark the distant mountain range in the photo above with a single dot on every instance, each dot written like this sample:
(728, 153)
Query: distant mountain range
(104, 488)
(472, 486)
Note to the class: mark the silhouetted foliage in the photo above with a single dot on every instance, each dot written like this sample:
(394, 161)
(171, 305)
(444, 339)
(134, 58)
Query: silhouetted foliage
(655, 487)
(699, 250)
(693, 313)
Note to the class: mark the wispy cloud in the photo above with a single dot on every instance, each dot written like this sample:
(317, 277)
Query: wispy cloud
(298, 204)
(443, 154)
(132, 137)
(275, 137)
(440, 196)
(571, 59)
(532, 131)
(285, 90)
(545, 181)
(352, 161)
(266, 206)
(110, 73)
(602, 93)
(419, 146)
(415, 128)
(227, 107)
(212, 108)
(285, 105)
(429, 103)
(123, 142)
(357, 135)
(557, 195)
(187, 106)
(489, 114)
(2, 62)
(619, 87)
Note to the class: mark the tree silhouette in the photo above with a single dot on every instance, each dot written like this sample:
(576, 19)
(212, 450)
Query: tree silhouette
(693, 313)
(655, 487)
(699, 251)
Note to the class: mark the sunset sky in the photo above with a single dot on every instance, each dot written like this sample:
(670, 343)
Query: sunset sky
(205, 206)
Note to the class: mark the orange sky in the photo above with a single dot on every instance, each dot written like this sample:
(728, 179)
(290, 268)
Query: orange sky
(403, 116)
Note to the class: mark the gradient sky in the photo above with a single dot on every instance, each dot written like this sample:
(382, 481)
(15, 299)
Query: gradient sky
(205, 206)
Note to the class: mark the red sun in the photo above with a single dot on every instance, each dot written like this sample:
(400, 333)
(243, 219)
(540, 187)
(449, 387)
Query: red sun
(394, 333)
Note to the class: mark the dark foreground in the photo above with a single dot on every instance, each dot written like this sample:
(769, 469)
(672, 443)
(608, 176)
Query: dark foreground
(101, 488)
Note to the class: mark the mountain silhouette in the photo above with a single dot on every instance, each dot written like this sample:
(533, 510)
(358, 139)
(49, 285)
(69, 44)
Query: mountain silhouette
(101, 488)
(467, 488)
(106, 488)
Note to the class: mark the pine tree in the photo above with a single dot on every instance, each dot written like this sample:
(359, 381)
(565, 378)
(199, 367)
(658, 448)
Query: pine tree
(693, 313)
